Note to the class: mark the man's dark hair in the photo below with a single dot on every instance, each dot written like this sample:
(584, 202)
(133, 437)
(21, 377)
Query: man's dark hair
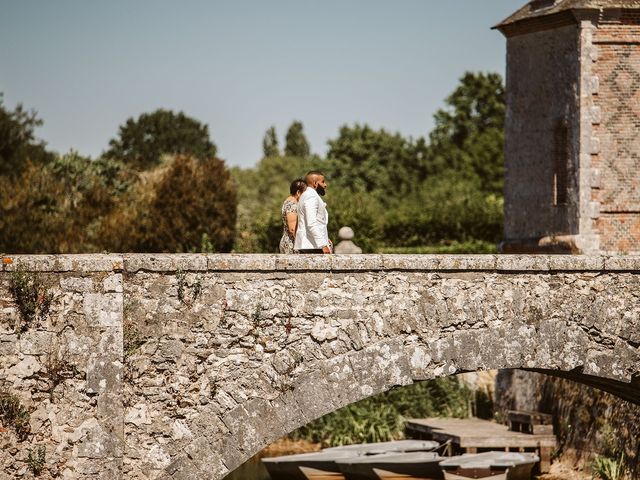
(298, 185)
(311, 174)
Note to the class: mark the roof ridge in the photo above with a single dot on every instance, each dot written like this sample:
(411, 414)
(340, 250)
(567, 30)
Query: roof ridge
(543, 8)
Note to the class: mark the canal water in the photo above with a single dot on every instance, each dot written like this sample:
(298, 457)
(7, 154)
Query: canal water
(250, 470)
(255, 470)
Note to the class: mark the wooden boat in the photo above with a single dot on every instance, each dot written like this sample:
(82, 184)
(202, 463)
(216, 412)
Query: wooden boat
(306, 466)
(322, 465)
(393, 466)
(396, 446)
(490, 466)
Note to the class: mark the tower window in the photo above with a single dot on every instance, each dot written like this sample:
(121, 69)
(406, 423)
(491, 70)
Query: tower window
(561, 163)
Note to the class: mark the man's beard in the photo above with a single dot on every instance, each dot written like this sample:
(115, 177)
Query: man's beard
(321, 191)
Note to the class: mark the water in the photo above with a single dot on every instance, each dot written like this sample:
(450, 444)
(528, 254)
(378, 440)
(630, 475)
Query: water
(252, 469)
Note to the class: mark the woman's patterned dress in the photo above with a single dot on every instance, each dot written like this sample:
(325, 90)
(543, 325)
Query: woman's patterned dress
(286, 242)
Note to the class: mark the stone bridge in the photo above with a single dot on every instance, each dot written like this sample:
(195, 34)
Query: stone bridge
(184, 366)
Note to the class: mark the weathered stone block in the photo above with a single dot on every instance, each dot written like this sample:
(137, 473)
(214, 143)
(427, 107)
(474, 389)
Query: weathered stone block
(622, 263)
(158, 262)
(411, 262)
(467, 262)
(349, 263)
(303, 262)
(103, 309)
(77, 284)
(568, 263)
(522, 263)
(232, 262)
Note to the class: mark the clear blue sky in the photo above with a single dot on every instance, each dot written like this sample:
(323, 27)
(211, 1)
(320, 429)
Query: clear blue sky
(242, 65)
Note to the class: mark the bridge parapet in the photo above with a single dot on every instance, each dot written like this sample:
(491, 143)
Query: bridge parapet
(163, 262)
(172, 366)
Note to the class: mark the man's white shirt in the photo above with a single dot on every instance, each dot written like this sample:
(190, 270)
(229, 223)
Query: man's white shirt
(312, 221)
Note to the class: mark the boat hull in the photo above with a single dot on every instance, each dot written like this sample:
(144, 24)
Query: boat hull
(516, 472)
(418, 466)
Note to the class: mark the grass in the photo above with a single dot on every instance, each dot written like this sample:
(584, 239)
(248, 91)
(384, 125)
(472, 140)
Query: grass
(470, 247)
(608, 468)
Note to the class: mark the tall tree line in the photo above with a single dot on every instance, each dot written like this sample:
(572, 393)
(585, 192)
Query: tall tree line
(159, 185)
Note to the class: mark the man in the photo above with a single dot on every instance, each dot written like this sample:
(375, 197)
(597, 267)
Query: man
(312, 235)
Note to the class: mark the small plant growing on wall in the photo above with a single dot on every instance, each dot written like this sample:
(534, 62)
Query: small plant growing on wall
(131, 338)
(36, 459)
(32, 298)
(196, 288)
(58, 368)
(14, 415)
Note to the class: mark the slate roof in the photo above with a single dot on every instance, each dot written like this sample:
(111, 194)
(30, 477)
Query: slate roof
(543, 8)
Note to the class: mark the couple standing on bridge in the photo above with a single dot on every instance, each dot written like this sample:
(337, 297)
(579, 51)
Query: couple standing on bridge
(305, 217)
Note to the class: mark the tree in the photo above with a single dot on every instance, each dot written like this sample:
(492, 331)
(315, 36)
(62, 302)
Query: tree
(53, 208)
(383, 164)
(270, 146)
(296, 144)
(174, 208)
(18, 145)
(142, 142)
(469, 133)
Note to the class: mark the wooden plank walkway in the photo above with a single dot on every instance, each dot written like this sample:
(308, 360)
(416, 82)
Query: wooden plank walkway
(471, 435)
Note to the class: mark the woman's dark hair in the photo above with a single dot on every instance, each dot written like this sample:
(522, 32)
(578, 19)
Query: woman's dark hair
(298, 185)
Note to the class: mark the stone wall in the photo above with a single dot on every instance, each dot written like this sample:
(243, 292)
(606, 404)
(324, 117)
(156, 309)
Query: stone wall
(184, 366)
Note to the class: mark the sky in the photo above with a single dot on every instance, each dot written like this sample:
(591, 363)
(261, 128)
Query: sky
(240, 66)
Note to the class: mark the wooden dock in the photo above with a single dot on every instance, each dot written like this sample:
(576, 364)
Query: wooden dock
(472, 435)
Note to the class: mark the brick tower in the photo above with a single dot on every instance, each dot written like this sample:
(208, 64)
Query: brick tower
(572, 148)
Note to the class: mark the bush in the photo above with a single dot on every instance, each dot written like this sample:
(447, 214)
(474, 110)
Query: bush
(172, 207)
(450, 207)
(381, 418)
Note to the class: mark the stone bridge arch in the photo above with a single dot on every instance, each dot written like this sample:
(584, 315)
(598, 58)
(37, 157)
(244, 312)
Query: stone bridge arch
(193, 363)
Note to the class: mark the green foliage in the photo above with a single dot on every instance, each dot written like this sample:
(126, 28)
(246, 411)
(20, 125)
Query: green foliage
(358, 210)
(381, 418)
(447, 207)
(171, 207)
(57, 207)
(13, 414)
(36, 460)
(142, 142)
(270, 146)
(609, 468)
(385, 165)
(469, 132)
(18, 145)
(32, 298)
(296, 144)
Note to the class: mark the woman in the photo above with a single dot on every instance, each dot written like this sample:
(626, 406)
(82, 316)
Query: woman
(290, 215)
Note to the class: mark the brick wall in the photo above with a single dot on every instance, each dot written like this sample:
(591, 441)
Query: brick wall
(617, 67)
(543, 84)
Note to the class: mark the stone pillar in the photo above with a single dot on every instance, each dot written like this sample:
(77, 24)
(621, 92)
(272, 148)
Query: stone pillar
(346, 245)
